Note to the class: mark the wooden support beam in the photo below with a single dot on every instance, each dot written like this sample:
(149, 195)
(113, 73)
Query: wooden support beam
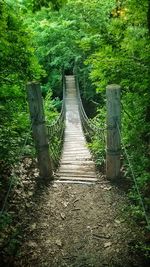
(113, 149)
(39, 129)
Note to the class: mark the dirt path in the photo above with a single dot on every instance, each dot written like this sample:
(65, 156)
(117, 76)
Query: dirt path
(78, 225)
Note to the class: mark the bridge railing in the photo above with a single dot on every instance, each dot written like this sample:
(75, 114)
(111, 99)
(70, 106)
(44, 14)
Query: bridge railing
(88, 126)
(92, 132)
(56, 133)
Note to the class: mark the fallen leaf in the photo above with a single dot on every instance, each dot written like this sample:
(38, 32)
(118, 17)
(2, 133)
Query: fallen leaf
(55, 185)
(107, 244)
(28, 205)
(108, 188)
(30, 193)
(62, 216)
(48, 241)
(58, 243)
(65, 204)
(44, 225)
(117, 221)
(32, 244)
(33, 226)
(36, 173)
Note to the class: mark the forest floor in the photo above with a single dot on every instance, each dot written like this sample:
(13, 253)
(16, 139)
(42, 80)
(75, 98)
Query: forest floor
(72, 225)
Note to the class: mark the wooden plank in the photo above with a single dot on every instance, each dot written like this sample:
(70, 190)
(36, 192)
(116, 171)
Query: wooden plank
(77, 163)
(77, 174)
(78, 178)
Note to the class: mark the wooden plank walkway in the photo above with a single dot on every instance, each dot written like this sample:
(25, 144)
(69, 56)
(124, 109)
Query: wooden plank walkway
(76, 164)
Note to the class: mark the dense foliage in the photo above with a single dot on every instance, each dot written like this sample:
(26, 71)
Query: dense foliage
(109, 41)
(18, 65)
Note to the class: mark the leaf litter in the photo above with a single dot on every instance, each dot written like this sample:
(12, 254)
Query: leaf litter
(71, 225)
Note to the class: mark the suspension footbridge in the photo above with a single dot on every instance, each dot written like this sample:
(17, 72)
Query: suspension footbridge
(66, 157)
(76, 164)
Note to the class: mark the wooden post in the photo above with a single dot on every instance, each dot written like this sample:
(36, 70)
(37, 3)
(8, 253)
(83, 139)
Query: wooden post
(113, 119)
(39, 129)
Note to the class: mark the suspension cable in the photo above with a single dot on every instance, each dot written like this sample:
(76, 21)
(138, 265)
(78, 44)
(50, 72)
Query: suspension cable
(93, 127)
(134, 179)
(11, 180)
(87, 124)
(56, 131)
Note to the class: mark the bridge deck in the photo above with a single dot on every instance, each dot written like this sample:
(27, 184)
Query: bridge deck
(76, 164)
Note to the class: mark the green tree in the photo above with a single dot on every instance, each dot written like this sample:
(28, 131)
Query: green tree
(18, 64)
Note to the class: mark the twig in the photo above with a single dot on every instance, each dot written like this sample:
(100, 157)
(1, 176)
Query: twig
(100, 236)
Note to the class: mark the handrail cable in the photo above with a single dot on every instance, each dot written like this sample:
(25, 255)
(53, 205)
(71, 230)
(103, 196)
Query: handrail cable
(87, 124)
(61, 115)
(56, 131)
(11, 181)
(134, 179)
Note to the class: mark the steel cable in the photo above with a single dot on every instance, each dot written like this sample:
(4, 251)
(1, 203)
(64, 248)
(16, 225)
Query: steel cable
(56, 132)
(134, 179)
(88, 126)
(11, 180)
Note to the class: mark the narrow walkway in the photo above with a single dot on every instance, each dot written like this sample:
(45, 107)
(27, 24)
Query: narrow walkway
(76, 163)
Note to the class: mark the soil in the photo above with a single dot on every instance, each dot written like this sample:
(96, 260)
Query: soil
(77, 225)
(73, 225)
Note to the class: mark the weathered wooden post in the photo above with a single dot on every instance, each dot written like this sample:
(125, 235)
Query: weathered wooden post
(39, 129)
(113, 120)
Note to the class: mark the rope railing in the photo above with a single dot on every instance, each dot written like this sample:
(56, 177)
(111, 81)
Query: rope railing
(12, 177)
(141, 202)
(56, 133)
(89, 127)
